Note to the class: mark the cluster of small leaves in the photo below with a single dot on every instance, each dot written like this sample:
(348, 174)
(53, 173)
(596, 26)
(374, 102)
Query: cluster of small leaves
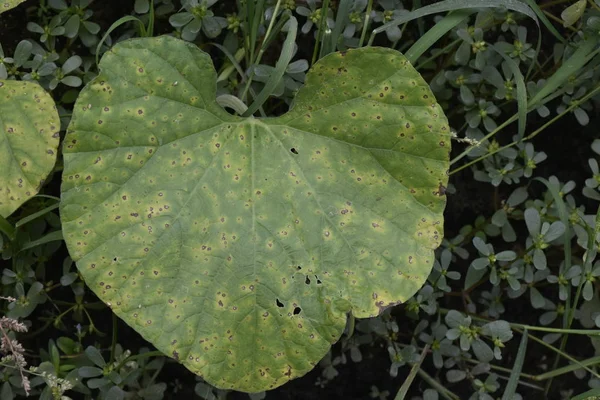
(32, 63)
(54, 57)
(65, 366)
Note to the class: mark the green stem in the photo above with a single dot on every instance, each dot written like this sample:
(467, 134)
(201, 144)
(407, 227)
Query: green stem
(269, 29)
(486, 137)
(321, 31)
(560, 21)
(514, 325)
(436, 55)
(565, 355)
(114, 338)
(260, 52)
(441, 389)
(411, 376)
(529, 137)
(501, 369)
(587, 266)
(366, 24)
(92, 325)
(566, 369)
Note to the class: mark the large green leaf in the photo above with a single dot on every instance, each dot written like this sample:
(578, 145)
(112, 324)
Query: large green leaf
(238, 245)
(29, 139)
(6, 5)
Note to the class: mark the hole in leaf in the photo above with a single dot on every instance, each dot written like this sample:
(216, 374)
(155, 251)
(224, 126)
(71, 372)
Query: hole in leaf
(307, 281)
(115, 259)
(297, 310)
(299, 267)
(318, 280)
(293, 150)
(279, 304)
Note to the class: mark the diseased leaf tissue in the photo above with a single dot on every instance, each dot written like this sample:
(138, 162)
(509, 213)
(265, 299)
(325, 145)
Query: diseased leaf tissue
(238, 245)
(29, 140)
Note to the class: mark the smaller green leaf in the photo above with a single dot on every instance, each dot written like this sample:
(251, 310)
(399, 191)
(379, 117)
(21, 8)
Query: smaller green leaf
(6, 392)
(115, 393)
(22, 53)
(6, 5)
(54, 354)
(72, 26)
(513, 381)
(97, 383)
(592, 394)
(71, 64)
(482, 351)
(141, 6)
(66, 345)
(94, 355)
(29, 139)
(573, 13)
(473, 276)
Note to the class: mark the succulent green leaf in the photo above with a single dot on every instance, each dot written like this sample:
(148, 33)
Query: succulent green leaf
(29, 140)
(573, 13)
(238, 245)
(6, 5)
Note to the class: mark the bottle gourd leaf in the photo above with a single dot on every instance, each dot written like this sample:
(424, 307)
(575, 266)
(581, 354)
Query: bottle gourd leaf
(238, 245)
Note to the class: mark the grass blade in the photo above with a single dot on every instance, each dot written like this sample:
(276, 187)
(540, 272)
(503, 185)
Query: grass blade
(114, 26)
(150, 29)
(284, 60)
(342, 15)
(51, 237)
(366, 24)
(570, 67)
(411, 376)
(321, 44)
(597, 228)
(521, 91)
(435, 33)
(540, 14)
(274, 34)
(255, 13)
(441, 389)
(234, 63)
(420, 23)
(589, 395)
(451, 5)
(35, 215)
(566, 369)
(511, 386)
